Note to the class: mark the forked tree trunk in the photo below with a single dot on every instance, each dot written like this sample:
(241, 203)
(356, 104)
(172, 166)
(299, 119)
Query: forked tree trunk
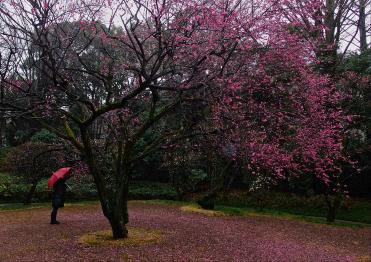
(114, 204)
(115, 207)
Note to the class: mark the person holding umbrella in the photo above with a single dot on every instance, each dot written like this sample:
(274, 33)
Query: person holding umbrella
(58, 182)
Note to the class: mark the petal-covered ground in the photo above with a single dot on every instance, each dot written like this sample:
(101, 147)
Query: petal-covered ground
(26, 236)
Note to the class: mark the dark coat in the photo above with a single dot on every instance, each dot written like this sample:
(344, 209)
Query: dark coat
(58, 194)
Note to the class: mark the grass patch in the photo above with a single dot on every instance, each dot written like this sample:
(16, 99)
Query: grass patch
(337, 223)
(82, 203)
(137, 237)
(193, 208)
(234, 211)
(189, 207)
(223, 210)
(20, 206)
(353, 209)
(360, 212)
(160, 202)
(364, 258)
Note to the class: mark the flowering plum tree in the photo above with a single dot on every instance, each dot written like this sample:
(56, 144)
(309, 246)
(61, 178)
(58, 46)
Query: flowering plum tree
(281, 116)
(74, 74)
(102, 74)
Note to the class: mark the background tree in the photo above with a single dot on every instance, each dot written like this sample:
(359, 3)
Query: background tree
(337, 26)
(32, 162)
(356, 83)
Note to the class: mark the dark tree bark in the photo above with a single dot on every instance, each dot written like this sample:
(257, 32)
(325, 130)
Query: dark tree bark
(208, 201)
(2, 130)
(117, 212)
(333, 204)
(362, 25)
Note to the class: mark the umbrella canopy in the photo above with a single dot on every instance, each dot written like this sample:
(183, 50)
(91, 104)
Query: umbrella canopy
(59, 174)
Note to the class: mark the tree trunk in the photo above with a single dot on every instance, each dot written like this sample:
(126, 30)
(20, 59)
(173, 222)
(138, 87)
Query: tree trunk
(208, 201)
(327, 50)
(119, 217)
(114, 206)
(362, 25)
(2, 130)
(330, 21)
(125, 212)
(118, 226)
(333, 207)
(113, 197)
(116, 211)
(30, 194)
(331, 214)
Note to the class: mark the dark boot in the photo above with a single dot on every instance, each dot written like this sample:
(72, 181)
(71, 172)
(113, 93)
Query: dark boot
(53, 217)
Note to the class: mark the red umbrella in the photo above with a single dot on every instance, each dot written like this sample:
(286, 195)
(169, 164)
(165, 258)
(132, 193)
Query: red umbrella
(60, 173)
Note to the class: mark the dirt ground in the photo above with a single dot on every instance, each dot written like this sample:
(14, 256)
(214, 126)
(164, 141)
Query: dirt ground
(26, 235)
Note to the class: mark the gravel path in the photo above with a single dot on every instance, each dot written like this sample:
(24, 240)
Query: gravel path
(27, 236)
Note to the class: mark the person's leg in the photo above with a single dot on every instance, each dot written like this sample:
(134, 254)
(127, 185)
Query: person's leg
(53, 216)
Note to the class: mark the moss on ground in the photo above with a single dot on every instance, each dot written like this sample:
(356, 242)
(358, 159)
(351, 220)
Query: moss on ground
(137, 237)
(366, 258)
(159, 202)
(193, 208)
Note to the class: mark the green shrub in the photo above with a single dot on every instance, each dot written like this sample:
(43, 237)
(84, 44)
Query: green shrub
(272, 200)
(81, 190)
(44, 136)
(12, 190)
(3, 154)
(151, 190)
(138, 190)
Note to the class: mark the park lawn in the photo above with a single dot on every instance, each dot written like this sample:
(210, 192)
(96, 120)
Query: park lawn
(356, 217)
(292, 214)
(361, 218)
(181, 236)
(4, 207)
(239, 205)
(358, 210)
